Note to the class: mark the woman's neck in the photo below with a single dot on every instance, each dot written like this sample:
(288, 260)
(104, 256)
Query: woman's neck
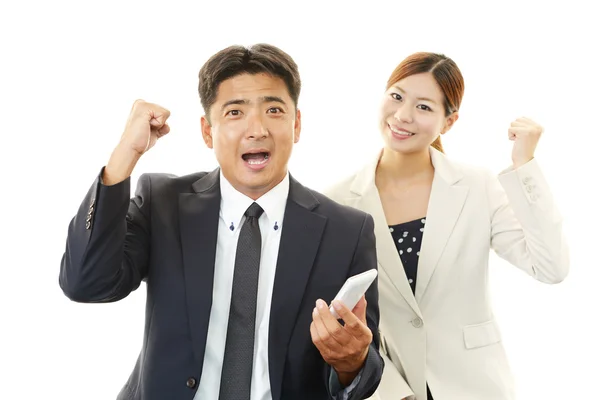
(400, 169)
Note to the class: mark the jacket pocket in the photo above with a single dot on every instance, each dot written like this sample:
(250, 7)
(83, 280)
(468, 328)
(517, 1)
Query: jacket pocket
(481, 335)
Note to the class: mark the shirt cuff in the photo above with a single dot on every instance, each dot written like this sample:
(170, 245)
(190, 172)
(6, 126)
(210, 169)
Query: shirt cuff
(335, 388)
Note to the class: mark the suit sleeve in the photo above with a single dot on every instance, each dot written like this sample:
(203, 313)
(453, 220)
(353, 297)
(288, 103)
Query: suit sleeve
(365, 258)
(108, 241)
(526, 226)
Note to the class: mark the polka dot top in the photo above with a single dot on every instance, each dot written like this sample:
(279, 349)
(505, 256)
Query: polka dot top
(407, 237)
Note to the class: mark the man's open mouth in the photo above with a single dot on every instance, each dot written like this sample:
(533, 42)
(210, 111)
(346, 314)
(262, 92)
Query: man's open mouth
(256, 158)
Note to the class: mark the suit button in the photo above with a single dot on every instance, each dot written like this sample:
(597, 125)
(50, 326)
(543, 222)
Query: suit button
(191, 383)
(88, 225)
(417, 322)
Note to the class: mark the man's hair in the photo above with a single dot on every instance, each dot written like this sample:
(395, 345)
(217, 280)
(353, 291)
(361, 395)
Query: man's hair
(237, 60)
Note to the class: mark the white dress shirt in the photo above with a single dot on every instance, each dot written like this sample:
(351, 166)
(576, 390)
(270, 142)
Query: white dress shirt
(231, 217)
(233, 207)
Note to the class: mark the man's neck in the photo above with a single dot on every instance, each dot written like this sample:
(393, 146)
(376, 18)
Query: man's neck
(256, 192)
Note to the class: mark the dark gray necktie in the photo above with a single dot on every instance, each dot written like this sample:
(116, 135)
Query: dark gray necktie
(236, 376)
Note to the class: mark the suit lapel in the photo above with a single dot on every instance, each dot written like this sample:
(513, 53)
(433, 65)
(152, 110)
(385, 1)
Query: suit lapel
(445, 205)
(199, 221)
(300, 240)
(366, 198)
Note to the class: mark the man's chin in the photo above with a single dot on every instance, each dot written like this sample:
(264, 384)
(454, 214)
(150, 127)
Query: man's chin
(260, 182)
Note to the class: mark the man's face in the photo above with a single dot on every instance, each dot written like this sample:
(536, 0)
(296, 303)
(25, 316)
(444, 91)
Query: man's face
(254, 127)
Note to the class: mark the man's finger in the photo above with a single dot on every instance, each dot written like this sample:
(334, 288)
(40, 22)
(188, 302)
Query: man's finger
(157, 115)
(352, 323)
(164, 130)
(360, 310)
(328, 327)
(320, 336)
(334, 329)
(320, 327)
(315, 335)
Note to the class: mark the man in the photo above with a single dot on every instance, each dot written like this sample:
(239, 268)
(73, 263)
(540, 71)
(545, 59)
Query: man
(238, 262)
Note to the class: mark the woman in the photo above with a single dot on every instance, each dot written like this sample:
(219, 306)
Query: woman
(435, 222)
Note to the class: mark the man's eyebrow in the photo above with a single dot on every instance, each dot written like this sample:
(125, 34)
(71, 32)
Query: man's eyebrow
(272, 99)
(264, 99)
(232, 102)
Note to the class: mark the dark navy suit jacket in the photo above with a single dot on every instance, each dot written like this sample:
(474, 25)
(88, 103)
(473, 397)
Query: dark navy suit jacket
(166, 236)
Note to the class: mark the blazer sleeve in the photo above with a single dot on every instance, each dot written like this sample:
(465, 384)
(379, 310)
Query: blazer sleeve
(526, 226)
(365, 258)
(108, 241)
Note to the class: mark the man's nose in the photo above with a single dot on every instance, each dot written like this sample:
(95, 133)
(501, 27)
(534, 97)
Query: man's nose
(256, 128)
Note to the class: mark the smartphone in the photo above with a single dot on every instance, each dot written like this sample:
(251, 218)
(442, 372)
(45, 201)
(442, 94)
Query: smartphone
(354, 288)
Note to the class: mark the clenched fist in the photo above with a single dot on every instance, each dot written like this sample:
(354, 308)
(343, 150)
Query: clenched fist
(147, 123)
(526, 134)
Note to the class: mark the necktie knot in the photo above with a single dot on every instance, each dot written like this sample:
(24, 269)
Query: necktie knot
(254, 211)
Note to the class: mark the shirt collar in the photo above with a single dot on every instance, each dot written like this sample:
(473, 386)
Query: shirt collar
(234, 204)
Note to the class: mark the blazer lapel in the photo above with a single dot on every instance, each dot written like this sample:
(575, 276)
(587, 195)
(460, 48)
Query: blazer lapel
(199, 222)
(445, 205)
(365, 197)
(300, 240)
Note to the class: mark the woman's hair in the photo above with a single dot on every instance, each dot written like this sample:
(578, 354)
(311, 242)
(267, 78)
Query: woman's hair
(446, 74)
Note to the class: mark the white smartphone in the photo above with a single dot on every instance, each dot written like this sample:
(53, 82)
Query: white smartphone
(353, 289)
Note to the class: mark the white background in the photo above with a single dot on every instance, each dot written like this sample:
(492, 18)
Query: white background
(70, 71)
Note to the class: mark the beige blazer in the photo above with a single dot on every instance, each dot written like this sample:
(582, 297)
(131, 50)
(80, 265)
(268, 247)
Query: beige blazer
(445, 335)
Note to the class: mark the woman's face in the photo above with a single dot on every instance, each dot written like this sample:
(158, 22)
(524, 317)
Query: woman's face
(413, 114)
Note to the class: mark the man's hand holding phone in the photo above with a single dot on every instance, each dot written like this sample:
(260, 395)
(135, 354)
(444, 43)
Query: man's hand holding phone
(344, 347)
